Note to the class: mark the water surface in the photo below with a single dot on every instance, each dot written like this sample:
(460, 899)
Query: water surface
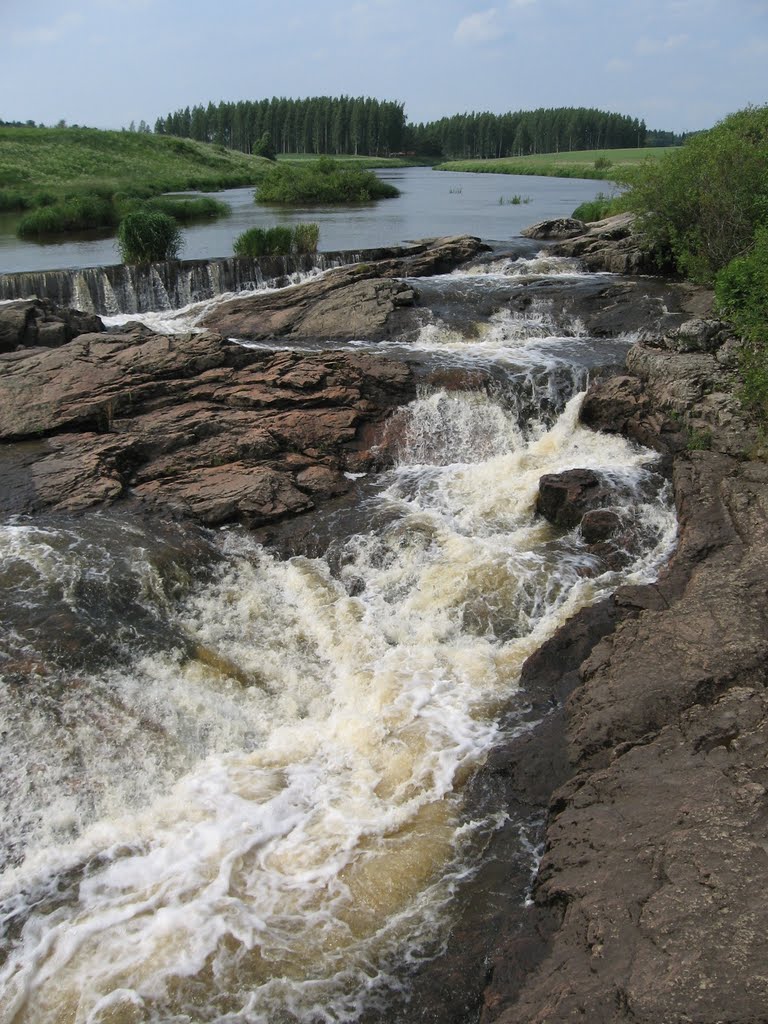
(431, 203)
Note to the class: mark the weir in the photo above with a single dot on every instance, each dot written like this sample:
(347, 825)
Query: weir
(119, 288)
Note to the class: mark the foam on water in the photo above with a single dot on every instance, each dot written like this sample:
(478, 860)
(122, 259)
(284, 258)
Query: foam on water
(188, 318)
(261, 831)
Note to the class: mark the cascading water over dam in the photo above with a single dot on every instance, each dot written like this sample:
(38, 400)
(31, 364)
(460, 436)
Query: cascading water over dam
(245, 803)
(161, 286)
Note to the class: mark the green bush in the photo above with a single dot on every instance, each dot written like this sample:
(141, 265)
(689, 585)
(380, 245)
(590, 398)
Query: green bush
(741, 294)
(73, 213)
(147, 236)
(306, 238)
(699, 206)
(277, 241)
(321, 181)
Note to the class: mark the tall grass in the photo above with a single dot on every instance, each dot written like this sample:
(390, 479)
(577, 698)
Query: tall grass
(277, 241)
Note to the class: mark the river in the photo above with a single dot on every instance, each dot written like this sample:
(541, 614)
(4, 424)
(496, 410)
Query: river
(232, 779)
(431, 203)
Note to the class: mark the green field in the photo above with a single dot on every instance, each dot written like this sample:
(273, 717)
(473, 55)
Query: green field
(364, 161)
(578, 164)
(39, 166)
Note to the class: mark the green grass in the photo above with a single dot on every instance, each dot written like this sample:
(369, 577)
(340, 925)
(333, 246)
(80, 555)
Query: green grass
(44, 166)
(589, 163)
(361, 161)
(277, 241)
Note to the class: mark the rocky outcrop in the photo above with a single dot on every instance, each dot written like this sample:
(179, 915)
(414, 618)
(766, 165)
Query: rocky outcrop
(609, 245)
(655, 845)
(557, 228)
(31, 323)
(193, 424)
(357, 301)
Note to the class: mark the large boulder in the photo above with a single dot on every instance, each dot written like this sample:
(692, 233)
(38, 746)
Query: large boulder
(360, 301)
(564, 498)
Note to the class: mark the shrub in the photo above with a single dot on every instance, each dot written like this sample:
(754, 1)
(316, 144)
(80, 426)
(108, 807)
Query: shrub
(602, 163)
(741, 294)
(147, 236)
(698, 207)
(306, 238)
(73, 213)
(321, 181)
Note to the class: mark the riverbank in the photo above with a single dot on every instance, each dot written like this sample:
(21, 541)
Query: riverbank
(646, 905)
(600, 164)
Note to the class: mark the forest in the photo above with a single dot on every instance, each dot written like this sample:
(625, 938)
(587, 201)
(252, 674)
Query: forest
(369, 127)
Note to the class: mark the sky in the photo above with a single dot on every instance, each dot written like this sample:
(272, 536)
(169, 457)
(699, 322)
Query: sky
(679, 64)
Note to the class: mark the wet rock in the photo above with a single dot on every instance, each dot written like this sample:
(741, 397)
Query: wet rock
(194, 424)
(599, 525)
(31, 323)
(558, 227)
(565, 497)
(361, 301)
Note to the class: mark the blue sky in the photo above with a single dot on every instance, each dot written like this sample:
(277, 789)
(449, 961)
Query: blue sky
(680, 64)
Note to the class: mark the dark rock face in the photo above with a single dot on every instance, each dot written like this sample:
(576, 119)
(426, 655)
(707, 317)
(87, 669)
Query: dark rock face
(31, 323)
(357, 301)
(194, 424)
(599, 525)
(565, 497)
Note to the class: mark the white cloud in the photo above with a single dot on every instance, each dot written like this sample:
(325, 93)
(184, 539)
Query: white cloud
(617, 65)
(47, 34)
(648, 47)
(482, 27)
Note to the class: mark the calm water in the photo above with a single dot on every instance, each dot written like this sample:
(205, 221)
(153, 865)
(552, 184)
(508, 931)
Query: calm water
(431, 203)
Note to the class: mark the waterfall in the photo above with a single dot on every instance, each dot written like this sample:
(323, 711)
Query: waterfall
(119, 288)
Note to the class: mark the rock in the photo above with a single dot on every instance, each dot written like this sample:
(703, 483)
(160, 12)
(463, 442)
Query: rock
(564, 497)
(655, 847)
(30, 323)
(599, 525)
(193, 424)
(698, 335)
(608, 245)
(559, 227)
(360, 301)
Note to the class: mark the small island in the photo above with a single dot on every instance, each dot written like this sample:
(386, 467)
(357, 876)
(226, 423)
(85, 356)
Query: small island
(321, 181)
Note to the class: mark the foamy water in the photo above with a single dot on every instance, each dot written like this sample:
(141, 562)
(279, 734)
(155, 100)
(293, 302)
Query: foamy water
(232, 783)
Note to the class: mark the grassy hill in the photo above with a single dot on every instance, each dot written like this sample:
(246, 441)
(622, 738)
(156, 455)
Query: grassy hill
(591, 163)
(39, 166)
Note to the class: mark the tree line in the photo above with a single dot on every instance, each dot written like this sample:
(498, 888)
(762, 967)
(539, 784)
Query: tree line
(324, 125)
(527, 132)
(370, 127)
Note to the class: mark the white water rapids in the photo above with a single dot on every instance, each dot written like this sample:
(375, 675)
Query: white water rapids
(264, 833)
